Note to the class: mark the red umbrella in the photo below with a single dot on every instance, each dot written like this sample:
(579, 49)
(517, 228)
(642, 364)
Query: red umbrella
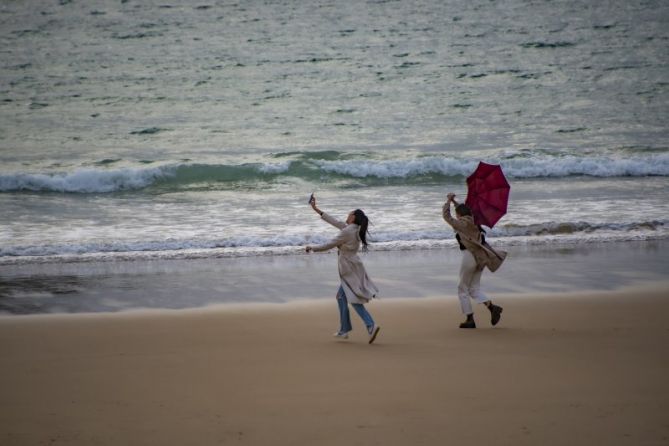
(487, 194)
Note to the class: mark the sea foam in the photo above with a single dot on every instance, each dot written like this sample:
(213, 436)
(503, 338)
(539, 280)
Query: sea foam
(83, 180)
(243, 246)
(370, 169)
(534, 167)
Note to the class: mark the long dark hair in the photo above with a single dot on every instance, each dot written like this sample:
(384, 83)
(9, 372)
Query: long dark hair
(361, 220)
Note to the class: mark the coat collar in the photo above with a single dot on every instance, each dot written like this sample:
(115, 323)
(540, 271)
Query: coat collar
(467, 218)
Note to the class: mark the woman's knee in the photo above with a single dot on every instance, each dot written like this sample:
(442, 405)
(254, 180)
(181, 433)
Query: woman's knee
(463, 288)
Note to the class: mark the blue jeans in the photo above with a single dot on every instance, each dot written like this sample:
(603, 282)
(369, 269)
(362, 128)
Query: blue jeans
(345, 315)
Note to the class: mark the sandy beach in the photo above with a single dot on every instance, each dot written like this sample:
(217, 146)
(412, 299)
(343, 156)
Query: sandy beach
(569, 368)
(157, 161)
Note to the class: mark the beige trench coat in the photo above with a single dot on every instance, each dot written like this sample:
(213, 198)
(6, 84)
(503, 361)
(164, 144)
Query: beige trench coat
(357, 285)
(470, 237)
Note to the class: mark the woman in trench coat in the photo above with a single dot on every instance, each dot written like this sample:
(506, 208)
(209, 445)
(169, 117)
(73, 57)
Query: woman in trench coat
(475, 256)
(356, 287)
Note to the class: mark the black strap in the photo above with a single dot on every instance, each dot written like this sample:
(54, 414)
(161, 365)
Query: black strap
(462, 247)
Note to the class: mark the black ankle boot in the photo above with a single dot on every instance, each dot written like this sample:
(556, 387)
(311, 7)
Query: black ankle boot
(495, 313)
(469, 323)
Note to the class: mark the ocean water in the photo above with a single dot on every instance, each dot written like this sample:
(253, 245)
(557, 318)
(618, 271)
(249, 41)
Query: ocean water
(197, 129)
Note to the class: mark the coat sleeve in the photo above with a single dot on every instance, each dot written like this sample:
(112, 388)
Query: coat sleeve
(454, 222)
(333, 221)
(339, 240)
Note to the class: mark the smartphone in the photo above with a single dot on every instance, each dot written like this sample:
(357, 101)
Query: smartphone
(311, 198)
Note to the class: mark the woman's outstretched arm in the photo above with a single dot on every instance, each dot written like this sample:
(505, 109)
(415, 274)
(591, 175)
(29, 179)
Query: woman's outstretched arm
(328, 218)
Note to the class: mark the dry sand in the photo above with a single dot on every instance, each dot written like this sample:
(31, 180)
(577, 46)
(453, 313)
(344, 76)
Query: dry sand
(562, 369)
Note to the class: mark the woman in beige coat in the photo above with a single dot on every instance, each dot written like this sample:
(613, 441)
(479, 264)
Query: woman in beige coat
(356, 287)
(475, 256)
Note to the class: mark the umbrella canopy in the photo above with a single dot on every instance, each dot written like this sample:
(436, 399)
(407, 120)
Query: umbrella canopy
(487, 194)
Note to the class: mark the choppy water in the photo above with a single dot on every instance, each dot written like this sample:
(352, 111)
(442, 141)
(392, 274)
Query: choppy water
(140, 129)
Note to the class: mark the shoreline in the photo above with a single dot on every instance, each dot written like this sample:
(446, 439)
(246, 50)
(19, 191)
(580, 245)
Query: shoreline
(577, 367)
(181, 284)
(314, 304)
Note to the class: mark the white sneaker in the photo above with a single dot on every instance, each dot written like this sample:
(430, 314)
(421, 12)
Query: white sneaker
(341, 335)
(373, 332)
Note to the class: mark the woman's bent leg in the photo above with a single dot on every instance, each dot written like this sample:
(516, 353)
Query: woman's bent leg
(372, 328)
(364, 315)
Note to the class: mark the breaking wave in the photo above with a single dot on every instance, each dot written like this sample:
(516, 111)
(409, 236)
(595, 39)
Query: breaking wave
(327, 167)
